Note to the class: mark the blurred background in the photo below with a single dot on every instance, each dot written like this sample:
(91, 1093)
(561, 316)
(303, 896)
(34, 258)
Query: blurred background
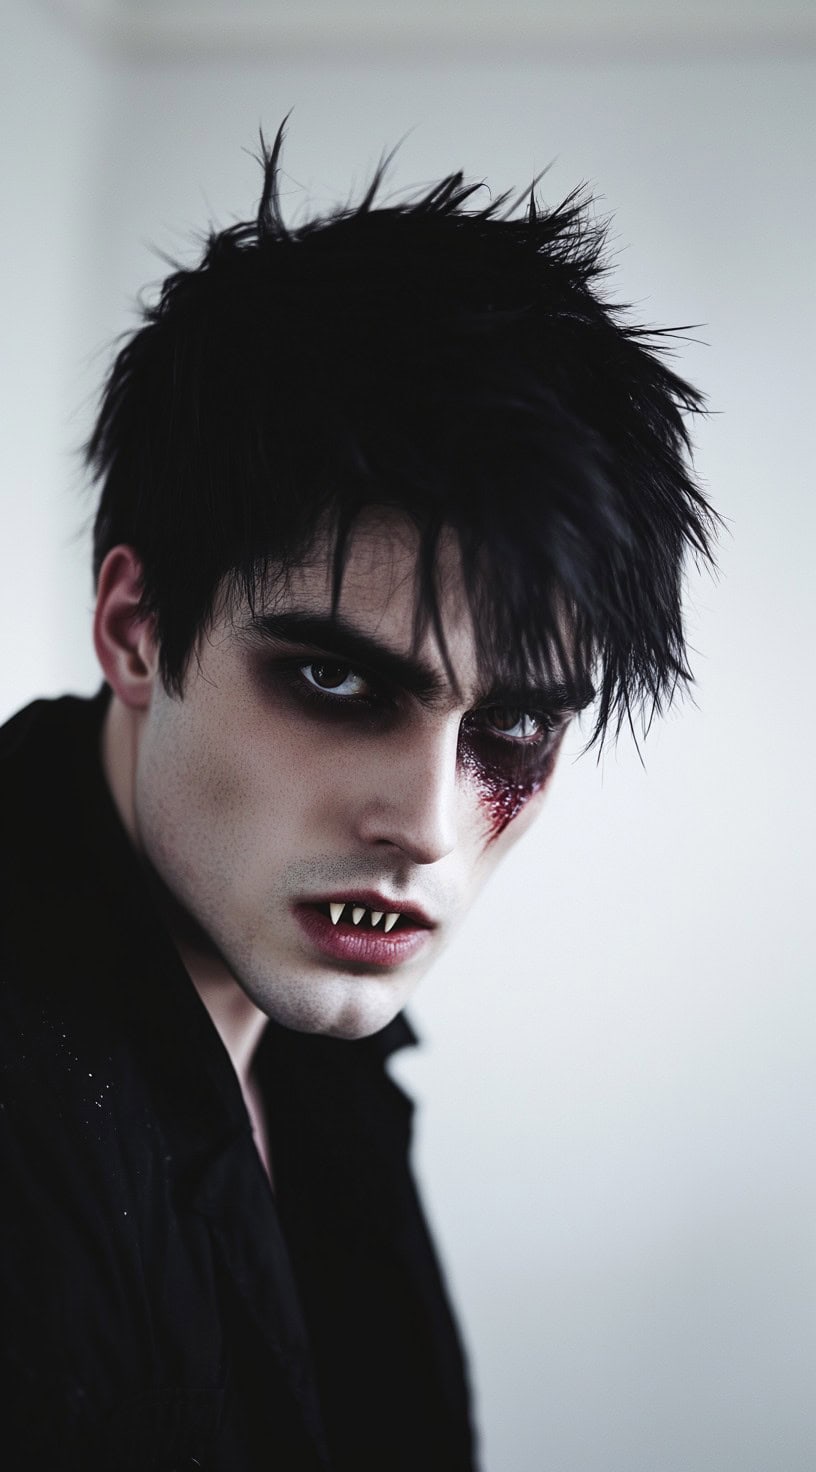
(616, 1086)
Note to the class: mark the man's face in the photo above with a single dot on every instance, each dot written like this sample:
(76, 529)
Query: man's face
(320, 777)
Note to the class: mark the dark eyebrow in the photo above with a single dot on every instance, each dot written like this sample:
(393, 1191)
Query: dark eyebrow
(556, 697)
(333, 634)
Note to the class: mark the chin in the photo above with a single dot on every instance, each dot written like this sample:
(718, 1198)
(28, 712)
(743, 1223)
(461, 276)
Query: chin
(348, 1007)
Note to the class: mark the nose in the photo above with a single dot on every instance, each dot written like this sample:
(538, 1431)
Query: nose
(412, 794)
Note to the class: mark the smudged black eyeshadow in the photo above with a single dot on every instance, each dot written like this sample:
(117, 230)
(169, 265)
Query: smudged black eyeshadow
(365, 711)
(504, 760)
(502, 757)
(501, 760)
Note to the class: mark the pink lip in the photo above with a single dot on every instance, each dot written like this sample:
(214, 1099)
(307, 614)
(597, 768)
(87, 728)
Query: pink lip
(344, 942)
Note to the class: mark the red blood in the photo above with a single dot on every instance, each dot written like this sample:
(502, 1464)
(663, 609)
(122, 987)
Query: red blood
(501, 796)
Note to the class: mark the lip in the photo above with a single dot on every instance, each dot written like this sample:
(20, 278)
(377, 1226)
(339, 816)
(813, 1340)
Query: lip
(375, 901)
(342, 942)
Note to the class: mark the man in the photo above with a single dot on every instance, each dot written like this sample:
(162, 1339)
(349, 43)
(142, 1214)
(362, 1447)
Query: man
(385, 501)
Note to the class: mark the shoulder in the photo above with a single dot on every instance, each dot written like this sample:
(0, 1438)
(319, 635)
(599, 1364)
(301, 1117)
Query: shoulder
(53, 862)
(68, 1081)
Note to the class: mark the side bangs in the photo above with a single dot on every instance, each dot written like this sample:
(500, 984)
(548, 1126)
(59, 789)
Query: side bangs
(572, 564)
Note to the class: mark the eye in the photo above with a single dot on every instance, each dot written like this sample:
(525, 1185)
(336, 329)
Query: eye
(514, 724)
(332, 677)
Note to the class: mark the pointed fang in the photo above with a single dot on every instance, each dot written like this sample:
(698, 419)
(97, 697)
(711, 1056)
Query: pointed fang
(336, 911)
(357, 913)
(390, 921)
(376, 917)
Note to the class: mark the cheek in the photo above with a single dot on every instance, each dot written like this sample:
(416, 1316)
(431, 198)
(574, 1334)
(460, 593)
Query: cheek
(211, 777)
(270, 784)
(502, 798)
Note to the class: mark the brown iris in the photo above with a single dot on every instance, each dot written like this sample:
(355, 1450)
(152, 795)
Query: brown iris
(329, 673)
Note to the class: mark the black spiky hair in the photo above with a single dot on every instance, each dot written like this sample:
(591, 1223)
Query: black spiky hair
(458, 365)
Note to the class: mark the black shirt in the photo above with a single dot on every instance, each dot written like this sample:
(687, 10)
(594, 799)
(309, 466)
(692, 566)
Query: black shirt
(161, 1307)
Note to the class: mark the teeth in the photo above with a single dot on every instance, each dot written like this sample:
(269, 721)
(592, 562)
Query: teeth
(337, 908)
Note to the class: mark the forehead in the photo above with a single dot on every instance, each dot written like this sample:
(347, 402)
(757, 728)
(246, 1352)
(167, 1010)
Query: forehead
(380, 616)
(379, 589)
(381, 559)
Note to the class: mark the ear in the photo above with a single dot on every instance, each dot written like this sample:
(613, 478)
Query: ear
(125, 643)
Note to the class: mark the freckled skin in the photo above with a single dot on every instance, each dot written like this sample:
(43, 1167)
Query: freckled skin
(259, 789)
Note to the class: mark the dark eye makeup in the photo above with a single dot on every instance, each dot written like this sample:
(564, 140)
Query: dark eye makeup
(333, 689)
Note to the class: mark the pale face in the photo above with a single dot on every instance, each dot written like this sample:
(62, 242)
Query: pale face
(310, 767)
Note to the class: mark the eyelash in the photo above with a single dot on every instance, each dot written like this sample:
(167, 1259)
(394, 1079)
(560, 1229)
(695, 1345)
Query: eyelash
(345, 707)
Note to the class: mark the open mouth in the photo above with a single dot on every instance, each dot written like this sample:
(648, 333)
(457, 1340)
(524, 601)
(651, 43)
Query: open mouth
(355, 933)
(363, 917)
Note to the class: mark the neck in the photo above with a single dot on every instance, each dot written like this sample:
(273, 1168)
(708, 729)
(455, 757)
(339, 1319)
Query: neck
(237, 1020)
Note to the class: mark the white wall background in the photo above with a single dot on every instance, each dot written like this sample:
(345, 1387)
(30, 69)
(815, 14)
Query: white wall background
(618, 1084)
